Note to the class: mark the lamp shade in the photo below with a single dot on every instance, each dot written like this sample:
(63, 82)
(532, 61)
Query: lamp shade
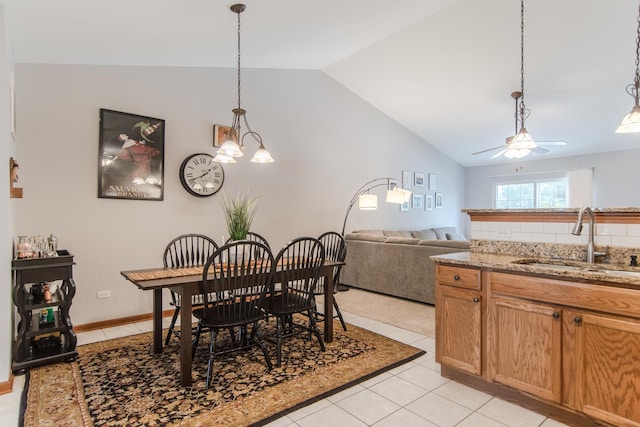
(221, 158)
(230, 149)
(516, 153)
(631, 122)
(523, 140)
(405, 193)
(368, 202)
(395, 196)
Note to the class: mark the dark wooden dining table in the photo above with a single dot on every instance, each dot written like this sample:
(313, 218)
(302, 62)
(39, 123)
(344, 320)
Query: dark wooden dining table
(186, 282)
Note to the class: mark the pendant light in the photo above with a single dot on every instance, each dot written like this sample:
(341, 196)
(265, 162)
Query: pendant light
(631, 122)
(521, 143)
(234, 146)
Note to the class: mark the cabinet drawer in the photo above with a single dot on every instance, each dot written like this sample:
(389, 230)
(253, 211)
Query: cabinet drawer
(462, 277)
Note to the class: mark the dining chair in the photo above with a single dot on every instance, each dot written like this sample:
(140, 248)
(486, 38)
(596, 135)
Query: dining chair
(335, 249)
(187, 250)
(253, 237)
(235, 270)
(297, 270)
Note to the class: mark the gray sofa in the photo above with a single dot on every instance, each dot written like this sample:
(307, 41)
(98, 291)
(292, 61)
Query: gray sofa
(397, 262)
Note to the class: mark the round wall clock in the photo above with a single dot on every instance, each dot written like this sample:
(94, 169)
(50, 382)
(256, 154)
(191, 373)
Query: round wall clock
(200, 175)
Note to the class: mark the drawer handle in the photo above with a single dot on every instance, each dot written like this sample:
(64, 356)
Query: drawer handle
(476, 299)
(456, 277)
(556, 315)
(578, 320)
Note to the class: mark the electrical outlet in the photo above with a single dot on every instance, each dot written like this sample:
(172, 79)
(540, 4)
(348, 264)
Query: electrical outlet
(104, 294)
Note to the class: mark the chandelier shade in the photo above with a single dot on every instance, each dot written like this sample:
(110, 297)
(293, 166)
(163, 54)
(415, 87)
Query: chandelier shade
(631, 122)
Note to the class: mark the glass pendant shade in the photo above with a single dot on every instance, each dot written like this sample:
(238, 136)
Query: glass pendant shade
(230, 148)
(368, 202)
(523, 140)
(262, 156)
(221, 158)
(631, 122)
(516, 153)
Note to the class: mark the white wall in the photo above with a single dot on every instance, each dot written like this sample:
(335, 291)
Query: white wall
(326, 142)
(7, 205)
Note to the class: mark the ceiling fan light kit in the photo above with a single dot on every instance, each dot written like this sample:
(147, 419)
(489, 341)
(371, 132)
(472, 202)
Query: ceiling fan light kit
(631, 122)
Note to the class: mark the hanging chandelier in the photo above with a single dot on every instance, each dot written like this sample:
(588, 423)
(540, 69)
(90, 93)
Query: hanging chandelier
(631, 122)
(234, 146)
(521, 144)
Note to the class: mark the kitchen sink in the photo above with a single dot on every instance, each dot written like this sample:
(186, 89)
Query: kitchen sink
(580, 266)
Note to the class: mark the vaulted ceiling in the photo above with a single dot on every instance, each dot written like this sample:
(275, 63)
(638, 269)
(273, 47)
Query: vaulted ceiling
(444, 69)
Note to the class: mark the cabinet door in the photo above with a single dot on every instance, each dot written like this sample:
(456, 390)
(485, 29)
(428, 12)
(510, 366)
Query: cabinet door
(458, 329)
(525, 346)
(606, 364)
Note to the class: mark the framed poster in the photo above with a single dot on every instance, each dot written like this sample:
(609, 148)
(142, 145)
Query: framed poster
(404, 207)
(418, 179)
(221, 134)
(428, 202)
(418, 201)
(432, 181)
(130, 156)
(406, 179)
(438, 200)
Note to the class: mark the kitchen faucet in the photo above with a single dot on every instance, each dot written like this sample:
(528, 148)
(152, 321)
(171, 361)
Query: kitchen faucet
(577, 230)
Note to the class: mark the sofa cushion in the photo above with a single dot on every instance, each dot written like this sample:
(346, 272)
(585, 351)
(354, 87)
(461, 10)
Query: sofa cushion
(455, 236)
(403, 240)
(428, 234)
(397, 233)
(374, 232)
(441, 232)
(457, 244)
(365, 237)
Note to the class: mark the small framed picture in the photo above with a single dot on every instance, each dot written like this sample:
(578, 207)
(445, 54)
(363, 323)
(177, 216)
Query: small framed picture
(432, 181)
(417, 201)
(438, 200)
(221, 134)
(404, 207)
(406, 179)
(418, 179)
(428, 202)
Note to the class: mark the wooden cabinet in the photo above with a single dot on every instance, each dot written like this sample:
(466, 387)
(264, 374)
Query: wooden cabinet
(602, 362)
(459, 319)
(44, 332)
(525, 342)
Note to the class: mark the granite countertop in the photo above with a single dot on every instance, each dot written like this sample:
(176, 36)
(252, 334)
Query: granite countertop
(630, 209)
(559, 268)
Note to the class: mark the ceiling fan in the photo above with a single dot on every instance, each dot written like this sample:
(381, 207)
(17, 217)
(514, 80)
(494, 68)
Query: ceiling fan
(514, 149)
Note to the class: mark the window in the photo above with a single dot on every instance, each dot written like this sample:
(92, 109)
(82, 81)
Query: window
(531, 195)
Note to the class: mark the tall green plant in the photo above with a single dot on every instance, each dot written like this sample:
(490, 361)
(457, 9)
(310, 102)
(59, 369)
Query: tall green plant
(238, 213)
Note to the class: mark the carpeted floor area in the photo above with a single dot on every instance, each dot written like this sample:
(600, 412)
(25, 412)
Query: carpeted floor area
(119, 382)
(410, 315)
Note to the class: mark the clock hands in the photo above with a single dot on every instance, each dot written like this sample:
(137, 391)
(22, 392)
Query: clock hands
(206, 173)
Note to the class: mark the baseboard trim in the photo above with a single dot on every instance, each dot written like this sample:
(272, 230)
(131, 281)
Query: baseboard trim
(7, 386)
(119, 321)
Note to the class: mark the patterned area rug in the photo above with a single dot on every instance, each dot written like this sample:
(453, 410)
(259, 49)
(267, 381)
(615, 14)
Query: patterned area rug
(121, 383)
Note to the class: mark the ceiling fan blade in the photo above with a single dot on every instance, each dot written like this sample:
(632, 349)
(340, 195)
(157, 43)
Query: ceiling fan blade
(557, 143)
(540, 150)
(488, 149)
(504, 150)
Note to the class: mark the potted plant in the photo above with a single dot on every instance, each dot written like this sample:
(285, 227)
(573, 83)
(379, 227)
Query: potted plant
(238, 213)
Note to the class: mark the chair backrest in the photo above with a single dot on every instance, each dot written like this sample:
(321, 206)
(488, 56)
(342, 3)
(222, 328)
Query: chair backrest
(237, 272)
(335, 249)
(297, 270)
(253, 237)
(189, 250)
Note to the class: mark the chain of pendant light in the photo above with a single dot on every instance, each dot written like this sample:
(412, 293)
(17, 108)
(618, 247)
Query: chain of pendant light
(239, 59)
(633, 88)
(523, 111)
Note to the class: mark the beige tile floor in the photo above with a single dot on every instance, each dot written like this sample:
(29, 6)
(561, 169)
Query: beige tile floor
(411, 395)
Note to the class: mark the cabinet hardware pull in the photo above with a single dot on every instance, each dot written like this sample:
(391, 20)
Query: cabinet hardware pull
(556, 315)
(578, 320)
(476, 299)
(456, 277)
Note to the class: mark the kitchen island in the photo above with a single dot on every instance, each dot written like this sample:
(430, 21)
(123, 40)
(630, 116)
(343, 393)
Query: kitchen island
(556, 335)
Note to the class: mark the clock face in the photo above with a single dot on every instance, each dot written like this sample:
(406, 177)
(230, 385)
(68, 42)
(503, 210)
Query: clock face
(200, 175)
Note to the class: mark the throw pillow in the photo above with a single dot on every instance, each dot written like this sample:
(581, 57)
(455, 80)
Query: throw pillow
(455, 236)
(428, 234)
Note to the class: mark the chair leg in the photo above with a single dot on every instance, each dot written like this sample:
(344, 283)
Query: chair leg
(196, 339)
(335, 305)
(172, 325)
(279, 321)
(255, 331)
(316, 331)
(212, 348)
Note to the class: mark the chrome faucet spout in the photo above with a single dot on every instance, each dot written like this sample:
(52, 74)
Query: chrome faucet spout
(577, 230)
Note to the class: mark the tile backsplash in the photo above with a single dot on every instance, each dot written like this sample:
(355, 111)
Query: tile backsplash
(607, 234)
